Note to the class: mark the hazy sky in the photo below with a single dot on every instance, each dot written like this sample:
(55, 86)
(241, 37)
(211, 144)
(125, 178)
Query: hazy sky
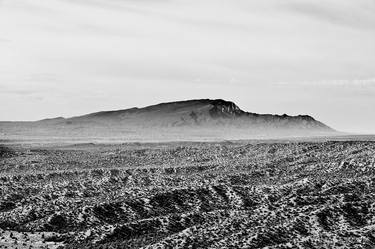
(72, 57)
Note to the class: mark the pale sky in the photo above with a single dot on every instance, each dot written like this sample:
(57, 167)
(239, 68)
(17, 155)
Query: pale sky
(72, 57)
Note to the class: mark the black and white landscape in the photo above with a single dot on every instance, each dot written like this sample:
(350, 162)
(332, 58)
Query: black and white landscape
(187, 124)
(190, 120)
(84, 182)
(249, 194)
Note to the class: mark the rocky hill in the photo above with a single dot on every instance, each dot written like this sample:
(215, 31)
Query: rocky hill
(197, 112)
(186, 120)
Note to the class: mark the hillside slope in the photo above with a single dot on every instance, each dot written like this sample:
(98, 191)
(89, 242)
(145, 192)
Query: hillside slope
(191, 119)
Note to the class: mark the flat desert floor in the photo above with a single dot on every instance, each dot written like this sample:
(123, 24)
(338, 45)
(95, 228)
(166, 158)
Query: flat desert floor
(245, 194)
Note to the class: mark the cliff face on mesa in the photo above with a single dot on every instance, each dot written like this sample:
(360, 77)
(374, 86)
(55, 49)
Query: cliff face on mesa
(186, 120)
(195, 114)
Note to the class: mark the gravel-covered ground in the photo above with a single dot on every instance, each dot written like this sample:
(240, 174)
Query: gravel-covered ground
(189, 195)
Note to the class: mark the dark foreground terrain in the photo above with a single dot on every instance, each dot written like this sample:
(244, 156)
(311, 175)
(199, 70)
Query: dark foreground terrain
(189, 195)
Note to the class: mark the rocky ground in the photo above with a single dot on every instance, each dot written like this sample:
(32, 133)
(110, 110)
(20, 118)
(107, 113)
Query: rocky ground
(189, 195)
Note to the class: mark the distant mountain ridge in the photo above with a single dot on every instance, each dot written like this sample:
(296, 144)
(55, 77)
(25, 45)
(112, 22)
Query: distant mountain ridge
(196, 112)
(189, 119)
